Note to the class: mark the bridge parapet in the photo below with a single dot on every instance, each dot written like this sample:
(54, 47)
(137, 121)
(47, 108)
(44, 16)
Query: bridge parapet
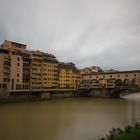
(127, 87)
(115, 93)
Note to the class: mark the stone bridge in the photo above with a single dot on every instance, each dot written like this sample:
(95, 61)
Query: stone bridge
(107, 93)
(116, 92)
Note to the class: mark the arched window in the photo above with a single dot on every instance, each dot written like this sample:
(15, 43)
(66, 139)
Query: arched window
(134, 81)
(126, 82)
(95, 81)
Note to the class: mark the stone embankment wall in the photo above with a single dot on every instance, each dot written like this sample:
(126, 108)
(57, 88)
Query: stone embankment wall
(64, 94)
(40, 97)
(3, 93)
(99, 93)
(95, 93)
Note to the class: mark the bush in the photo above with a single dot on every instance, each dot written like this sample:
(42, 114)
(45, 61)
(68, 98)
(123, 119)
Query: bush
(137, 125)
(127, 128)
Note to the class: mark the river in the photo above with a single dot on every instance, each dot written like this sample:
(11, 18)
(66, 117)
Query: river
(66, 119)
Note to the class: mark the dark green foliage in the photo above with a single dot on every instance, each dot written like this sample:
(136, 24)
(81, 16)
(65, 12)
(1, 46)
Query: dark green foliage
(102, 139)
(129, 133)
(137, 125)
(127, 128)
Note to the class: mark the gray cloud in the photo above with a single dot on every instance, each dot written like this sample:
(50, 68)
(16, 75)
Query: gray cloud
(87, 32)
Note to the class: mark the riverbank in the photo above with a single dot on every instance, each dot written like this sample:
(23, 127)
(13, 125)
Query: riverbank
(60, 95)
(134, 134)
(37, 97)
(129, 133)
(21, 100)
(46, 97)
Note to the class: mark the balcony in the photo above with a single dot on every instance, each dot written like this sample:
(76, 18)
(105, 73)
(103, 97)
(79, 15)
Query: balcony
(6, 74)
(7, 63)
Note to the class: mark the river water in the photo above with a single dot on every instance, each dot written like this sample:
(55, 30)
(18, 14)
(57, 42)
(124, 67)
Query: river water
(66, 119)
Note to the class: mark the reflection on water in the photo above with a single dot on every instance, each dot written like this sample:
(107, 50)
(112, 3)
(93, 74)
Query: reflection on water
(66, 119)
(134, 96)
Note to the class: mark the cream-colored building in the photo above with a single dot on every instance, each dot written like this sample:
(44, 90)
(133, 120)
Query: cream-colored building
(5, 72)
(12, 69)
(88, 70)
(111, 79)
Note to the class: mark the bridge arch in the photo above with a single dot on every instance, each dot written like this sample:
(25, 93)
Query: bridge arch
(126, 82)
(118, 83)
(117, 92)
(134, 81)
(94, 81)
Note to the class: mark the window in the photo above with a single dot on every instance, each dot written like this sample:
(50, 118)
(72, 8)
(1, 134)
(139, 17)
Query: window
(16, 87)
(126, 75)
(17, 75)
(4, 86)
(12, 84)
(18, 59)
(18, 64)
(17, 80)
(118, 75)
(110, 76)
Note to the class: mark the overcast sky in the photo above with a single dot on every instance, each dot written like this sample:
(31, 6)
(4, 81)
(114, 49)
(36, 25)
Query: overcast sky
(87, 32)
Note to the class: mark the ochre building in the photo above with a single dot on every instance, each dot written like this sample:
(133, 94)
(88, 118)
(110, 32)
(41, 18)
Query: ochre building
(69, 76)
(44, 71)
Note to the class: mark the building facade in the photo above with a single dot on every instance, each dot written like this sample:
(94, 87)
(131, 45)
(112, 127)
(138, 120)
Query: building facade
(29, 73)
(13, 67)
(25, 73)
(44, 71)
(69, 76)
(111, 79)
(88, 70)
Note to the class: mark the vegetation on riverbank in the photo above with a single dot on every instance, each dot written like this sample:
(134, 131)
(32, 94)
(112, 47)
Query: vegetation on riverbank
(129, 133)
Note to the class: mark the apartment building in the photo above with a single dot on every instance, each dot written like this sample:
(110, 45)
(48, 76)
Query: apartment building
(5, 71)
(12, 67)
(88, 70)
(44, 71)
(23, 72)
(69, 76)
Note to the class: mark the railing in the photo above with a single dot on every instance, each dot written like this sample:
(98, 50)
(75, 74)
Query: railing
(107, 86)
(127, 87)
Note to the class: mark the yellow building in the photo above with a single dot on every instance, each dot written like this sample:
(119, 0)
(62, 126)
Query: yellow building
(44, 71)
(50, 71)
(68, 76)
